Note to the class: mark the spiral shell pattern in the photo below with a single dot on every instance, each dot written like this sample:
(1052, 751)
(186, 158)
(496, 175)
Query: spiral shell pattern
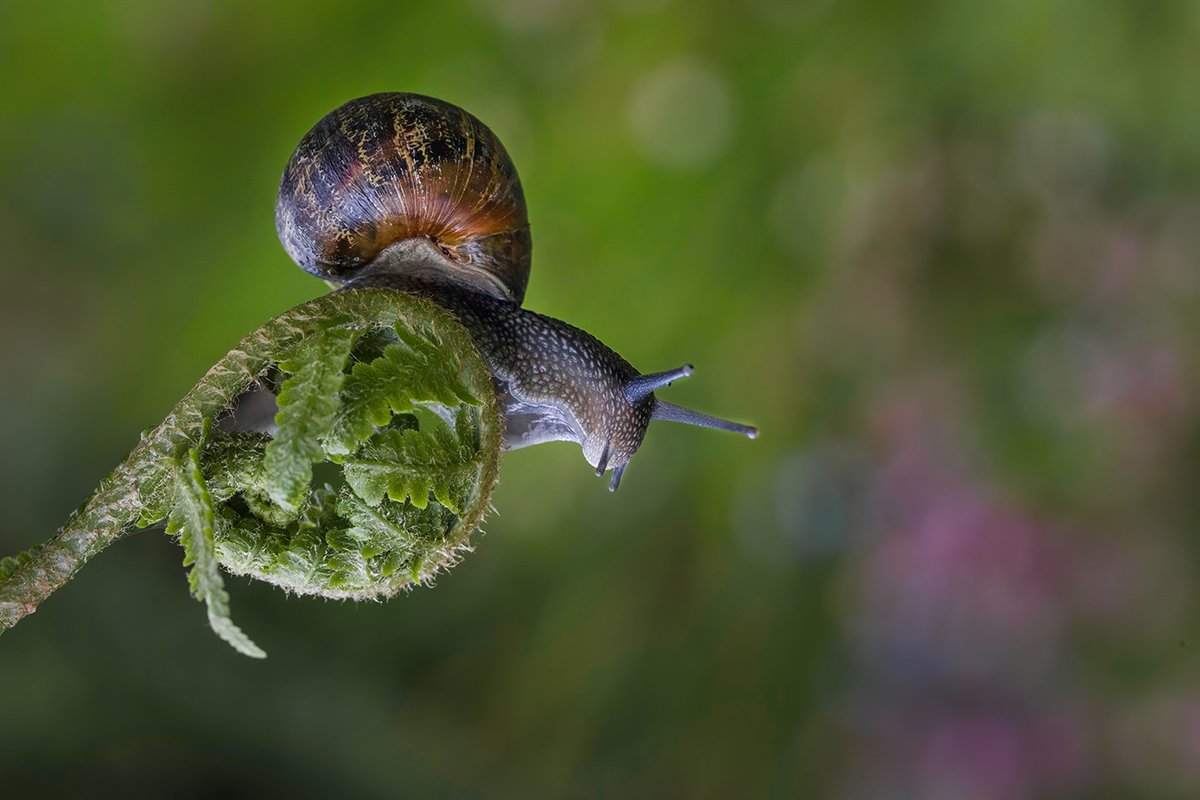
(389, 167)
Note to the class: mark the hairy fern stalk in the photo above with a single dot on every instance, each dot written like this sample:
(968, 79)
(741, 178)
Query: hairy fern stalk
(380, 463)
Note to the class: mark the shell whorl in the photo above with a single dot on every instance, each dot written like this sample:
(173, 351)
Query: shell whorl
(392, 167)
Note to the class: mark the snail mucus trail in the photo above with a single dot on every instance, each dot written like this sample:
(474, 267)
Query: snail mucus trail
(413, 193)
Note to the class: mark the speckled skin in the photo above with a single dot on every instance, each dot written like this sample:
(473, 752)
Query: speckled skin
(556, 381)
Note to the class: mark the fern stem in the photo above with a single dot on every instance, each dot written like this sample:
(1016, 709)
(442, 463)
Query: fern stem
(107, 515)
(121, 499)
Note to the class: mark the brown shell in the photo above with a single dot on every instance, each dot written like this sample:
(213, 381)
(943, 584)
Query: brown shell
(395, 166)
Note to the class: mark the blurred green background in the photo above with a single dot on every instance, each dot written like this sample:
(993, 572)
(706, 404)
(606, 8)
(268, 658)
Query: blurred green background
(943, 254)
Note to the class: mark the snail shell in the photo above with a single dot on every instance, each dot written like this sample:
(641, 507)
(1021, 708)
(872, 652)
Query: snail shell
(394, 167)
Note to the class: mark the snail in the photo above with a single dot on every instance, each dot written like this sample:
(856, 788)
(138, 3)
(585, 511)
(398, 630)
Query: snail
(298, 458)
(413, 193)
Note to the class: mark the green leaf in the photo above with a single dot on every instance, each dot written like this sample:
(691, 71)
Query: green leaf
(193, 519)
(380, 528)
(409, 464)
(394, 537)
(157, 495)
(11, 564)
(233, 463)
(308, 402)
(414, 371)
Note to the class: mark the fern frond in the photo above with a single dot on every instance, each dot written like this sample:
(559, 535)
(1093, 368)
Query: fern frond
(11, 564)
(410, 464)
(414, 371)
(247, 503)
(193, 519)
(308, 402)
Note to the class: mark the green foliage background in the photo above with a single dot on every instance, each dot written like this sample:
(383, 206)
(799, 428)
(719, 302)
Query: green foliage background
(943, 254)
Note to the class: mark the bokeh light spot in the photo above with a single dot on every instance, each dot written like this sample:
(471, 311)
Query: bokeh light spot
(681, 115)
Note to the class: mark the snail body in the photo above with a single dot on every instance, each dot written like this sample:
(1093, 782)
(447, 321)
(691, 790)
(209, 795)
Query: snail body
(415, 194)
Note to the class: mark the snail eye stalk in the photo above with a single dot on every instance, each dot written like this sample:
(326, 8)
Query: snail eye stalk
(673, 413)
(640, 387)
